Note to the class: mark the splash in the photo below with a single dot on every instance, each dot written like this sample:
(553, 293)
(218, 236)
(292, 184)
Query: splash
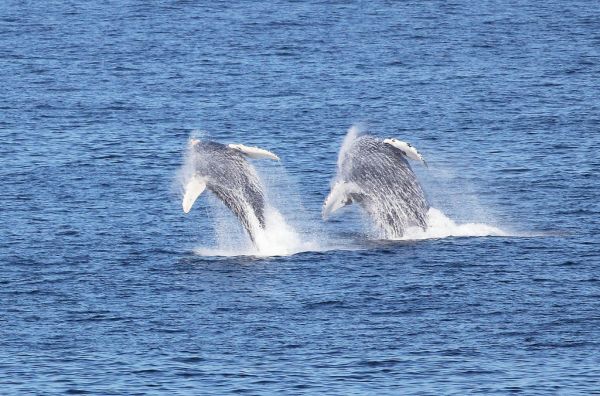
(441, 226)
(277, 238)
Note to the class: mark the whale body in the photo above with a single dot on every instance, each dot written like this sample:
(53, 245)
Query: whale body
(376, 174)
(224, 171)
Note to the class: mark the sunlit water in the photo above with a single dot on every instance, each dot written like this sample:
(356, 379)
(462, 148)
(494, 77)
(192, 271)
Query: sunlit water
(107, 287)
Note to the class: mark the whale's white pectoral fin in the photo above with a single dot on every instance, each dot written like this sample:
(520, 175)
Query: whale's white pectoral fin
(254, 152)
(338, 198)
(407, 149)
(193, 189)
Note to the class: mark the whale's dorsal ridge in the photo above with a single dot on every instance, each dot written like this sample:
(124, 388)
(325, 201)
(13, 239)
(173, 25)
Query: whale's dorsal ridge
(254, 152)
(407, 149)
(193, 189)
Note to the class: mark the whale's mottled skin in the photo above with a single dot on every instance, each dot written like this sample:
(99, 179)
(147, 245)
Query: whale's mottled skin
(224, 170)
(378, 177)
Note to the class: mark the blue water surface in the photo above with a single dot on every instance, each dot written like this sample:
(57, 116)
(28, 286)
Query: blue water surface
(103, 289)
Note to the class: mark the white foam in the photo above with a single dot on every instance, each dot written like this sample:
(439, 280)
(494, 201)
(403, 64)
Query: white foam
(441, 226)
(279, 239)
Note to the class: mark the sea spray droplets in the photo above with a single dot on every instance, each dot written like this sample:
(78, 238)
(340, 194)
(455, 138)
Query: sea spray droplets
(353, 133)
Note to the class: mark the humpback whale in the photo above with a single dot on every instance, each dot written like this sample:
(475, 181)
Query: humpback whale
(224, 171)
(376, 174)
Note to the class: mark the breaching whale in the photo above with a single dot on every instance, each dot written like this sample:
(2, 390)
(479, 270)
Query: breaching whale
(224, 170)
(375, 174)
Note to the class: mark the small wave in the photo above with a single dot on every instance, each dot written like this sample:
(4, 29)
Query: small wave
(274, 251)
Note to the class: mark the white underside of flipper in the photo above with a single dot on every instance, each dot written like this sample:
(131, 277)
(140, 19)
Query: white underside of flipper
(407, 149)
(338, 197)
(193, 189)
(254, 152)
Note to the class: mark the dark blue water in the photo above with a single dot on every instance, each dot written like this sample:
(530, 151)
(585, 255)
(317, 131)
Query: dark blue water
(103, 288)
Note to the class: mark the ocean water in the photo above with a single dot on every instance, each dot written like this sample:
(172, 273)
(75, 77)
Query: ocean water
(106, 287)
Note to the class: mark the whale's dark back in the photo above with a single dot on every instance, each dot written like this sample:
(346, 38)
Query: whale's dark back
(233, 180)
(388, 188)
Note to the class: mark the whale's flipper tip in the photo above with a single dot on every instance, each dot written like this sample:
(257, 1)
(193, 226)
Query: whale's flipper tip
(254, 152)
(407, 149)
(193, 189)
